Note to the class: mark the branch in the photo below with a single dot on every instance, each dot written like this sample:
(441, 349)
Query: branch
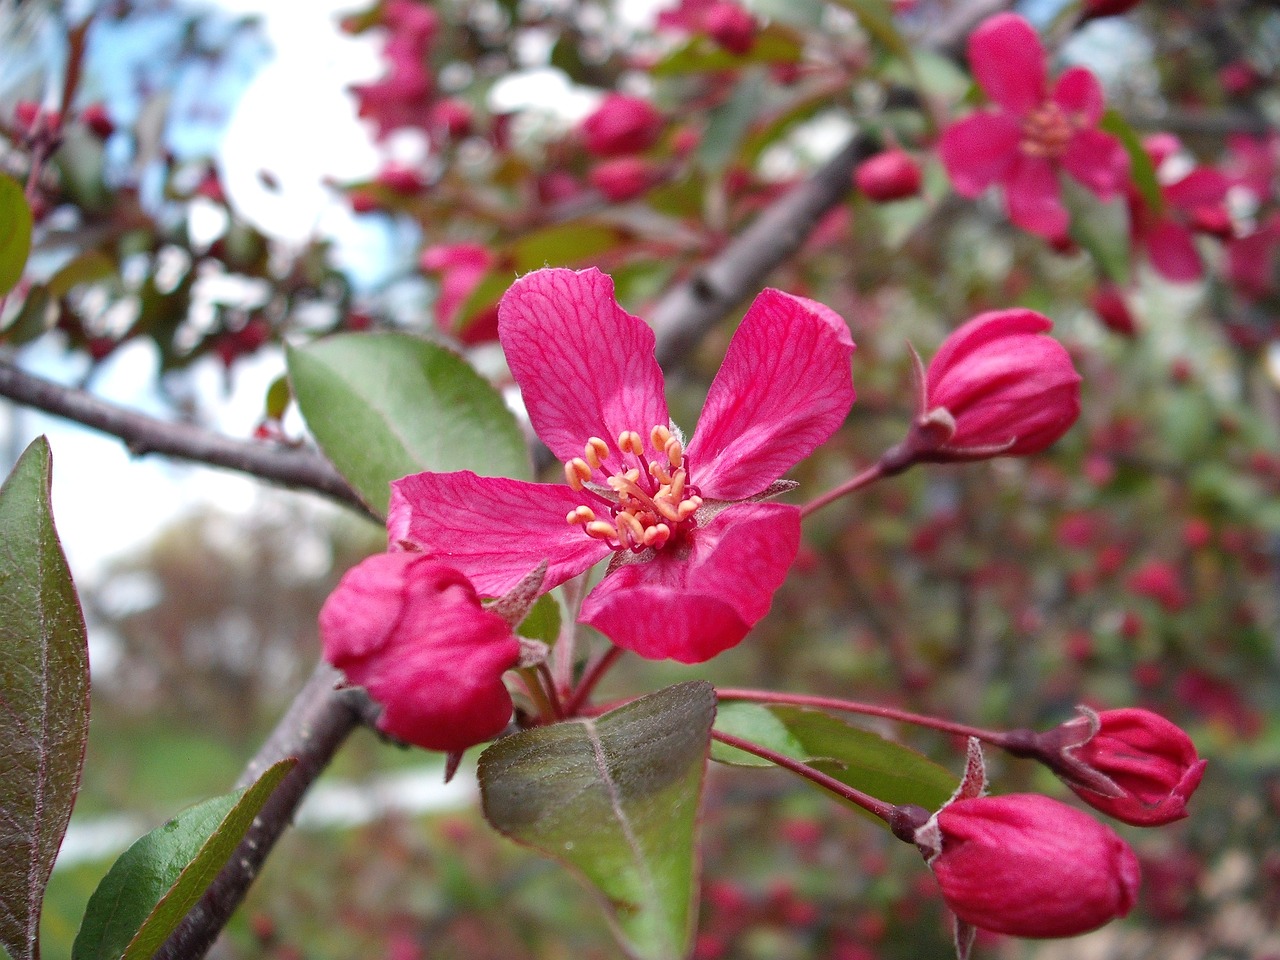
(316, 725)
(1216, 123)
(300, 469)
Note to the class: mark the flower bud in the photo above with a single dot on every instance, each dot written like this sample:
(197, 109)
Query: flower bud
(1136, 766)
(622, 179)
(730, 26)
(1109, 304)
(889, 175)
(620, 125)
(411, 631)
(1029, 866)
(1009, 390)
(1093, 9)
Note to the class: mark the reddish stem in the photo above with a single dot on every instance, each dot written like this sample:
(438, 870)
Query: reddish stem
(553, 695)
(863, 479)
(993, 737)
(867, 802)
(589, 680)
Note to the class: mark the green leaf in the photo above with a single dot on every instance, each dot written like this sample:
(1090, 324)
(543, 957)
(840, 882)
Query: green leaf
(44, 698)
(774, 44)
(1100, 227)
(278, 397)
(729, 122)
(542, 622)
(88, 267)
(383, 405)
(1141, 168)
(857, 758)
(15, 233)
(153, 885)
(876, 18)
(615, 797)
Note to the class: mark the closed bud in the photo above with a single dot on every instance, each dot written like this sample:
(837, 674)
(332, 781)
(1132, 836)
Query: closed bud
(1109, 304)
(731, 27)
(412, 632)
(622, 124)
(890, 175)
(1093, 9)
(1134, 765)
(622, 179)
(1029, 866)
(1010, 390)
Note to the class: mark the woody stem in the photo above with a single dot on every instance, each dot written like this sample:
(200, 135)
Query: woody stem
(867, 802)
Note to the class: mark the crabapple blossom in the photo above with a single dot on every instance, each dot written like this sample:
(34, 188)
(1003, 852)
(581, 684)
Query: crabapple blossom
(622, 124)
(696, 554)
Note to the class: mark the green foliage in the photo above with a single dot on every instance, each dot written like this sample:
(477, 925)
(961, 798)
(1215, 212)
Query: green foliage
(857, 758)
(148, 891)
(617, 798)
(385, 405)
(44, 689)
(15, 233)
(542, 622)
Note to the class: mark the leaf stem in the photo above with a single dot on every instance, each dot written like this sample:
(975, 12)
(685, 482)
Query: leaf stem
(994, 737)
(589, 680)
(867, 802)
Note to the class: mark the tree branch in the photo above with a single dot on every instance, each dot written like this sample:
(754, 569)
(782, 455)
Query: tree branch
(142, 434)
(316, 725)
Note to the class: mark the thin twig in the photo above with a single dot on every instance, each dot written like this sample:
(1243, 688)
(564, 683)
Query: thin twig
(142, 434)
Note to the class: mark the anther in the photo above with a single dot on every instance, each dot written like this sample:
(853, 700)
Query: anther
(689, 507)
(659, 472)
(659, 436)
(597, 452)
(630, 527)
(580, 515)
(657, 535)
(674, 450)
(601, 530)
(629, 442)
(677, 486)
(576, 473)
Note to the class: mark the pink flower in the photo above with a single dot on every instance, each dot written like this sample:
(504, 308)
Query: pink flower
(1033, 133)
(461, 267)
(411, 631)
(621, 124)
(725, 22)
(1109, 304)
(1134, 765)
(996, 387)
(1030, 866)
(1160, 582)
(889, 175)
(1192, 204)
(696, 556)
(1253, 261)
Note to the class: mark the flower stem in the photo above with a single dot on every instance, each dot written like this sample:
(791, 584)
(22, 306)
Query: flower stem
(553, 695)
(867, 802)
(589, 680)
(994, 737)
(538, 694)
(867, 477)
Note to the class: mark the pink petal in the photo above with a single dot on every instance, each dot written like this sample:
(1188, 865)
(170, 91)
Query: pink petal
(1201, 187)
(1099, 161)
(1173, 253)
(1008, 62)
(970, 337)
(493, 529)
(584, 365)
(783, 389)
(691, 604)
(979, 151)
(1080, 95)
(1034, 198)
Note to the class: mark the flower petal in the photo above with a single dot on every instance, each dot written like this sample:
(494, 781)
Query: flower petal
(1079, 94)
(979, 151)
(1008, 62)
(584, 365)
(492, 529)
(691, 604)
(1035, 199)
(783, 389)
(1201, 187)
(1099, 161)
(1173, 252)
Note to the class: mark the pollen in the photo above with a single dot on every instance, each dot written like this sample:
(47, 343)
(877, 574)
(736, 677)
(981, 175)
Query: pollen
(1047, 130)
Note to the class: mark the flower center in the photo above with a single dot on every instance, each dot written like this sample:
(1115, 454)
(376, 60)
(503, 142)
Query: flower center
(1046, 131)
(644, 506)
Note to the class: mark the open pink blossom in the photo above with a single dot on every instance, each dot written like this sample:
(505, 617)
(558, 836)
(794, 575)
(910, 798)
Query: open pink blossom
(1033, 133)
(461, 267)
(411, 631)
(696, 555)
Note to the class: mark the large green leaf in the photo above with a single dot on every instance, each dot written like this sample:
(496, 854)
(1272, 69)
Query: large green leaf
(387, 404)
(856, 757)
(1101, 227)
(148, 891)
(44, 698)
(616, 798)
(730, 121)
(15, 233)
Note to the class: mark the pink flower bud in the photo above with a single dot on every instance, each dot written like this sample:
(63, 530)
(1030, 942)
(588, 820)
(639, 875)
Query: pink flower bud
(622, 179)
(1137, 766)
(462, 267)
(1106, 8)
(890, 175)
(1160, 582)
(411, 631)
(402, 180)
(730, 26)
(96, 118)
(1029, 866)
(1109, 305)
(1009, 390)
(620, 125)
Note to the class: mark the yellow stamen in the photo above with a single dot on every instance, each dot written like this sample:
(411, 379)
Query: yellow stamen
(677, 486)
(659, 436)
(597, 452)
(657, 535)
(689, 507)
(629, 526)
(582, 515)
(576, 473)
(602, 530)
(659, 472)
(674, 451)
(629, 442)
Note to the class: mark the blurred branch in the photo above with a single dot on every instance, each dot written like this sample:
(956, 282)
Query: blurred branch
(318, 722)
(300, 469)
(1204, 122)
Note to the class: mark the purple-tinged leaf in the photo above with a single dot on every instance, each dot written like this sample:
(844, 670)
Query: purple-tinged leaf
(44, 698)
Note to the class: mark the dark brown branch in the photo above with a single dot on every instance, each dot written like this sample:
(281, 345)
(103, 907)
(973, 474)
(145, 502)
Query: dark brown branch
(300, 469)
(317, 724)
(1214, 123)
